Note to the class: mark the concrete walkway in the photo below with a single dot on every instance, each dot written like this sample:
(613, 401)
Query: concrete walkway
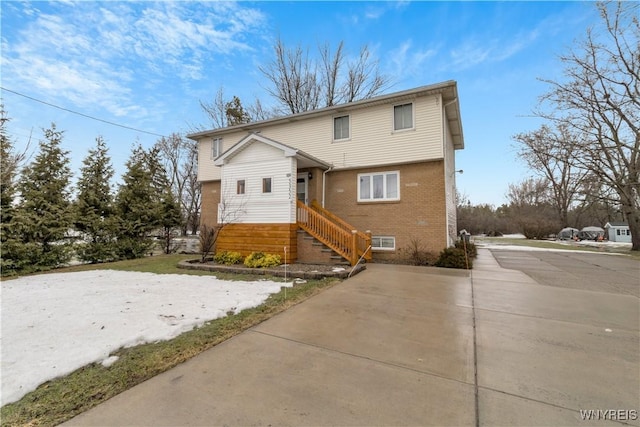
(399, 345)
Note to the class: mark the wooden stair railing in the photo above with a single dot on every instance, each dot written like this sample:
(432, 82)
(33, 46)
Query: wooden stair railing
(334, 232)
(363, 239)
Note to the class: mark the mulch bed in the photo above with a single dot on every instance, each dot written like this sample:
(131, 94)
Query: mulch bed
(297, 271)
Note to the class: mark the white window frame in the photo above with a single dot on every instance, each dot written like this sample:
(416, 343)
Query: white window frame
(216, 147)
(371, 199)
(348, 116)
(270, 185)
(413, 117)
(380, 247)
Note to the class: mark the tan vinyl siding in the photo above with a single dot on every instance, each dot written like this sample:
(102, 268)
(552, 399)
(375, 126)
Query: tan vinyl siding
(207, 171)
(372, 140)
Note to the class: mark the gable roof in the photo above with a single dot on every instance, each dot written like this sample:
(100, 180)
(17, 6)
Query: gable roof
(616, 224)
(448, 90)
(304, 160)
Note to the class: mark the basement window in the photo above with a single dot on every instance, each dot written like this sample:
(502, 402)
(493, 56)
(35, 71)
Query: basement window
(383, 243)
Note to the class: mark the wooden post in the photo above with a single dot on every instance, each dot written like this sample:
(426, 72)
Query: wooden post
(354, 247)
(369, 255)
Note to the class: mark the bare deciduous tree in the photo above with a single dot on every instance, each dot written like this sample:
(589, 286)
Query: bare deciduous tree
(192, 194)
(599, 98)
(551, 153)
(216, 109)
(223, 112)
(179, 158)
(363, 78)
(298, 86)
(530, 208)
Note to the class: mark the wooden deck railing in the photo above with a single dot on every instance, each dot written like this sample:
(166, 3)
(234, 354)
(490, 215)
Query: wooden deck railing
(334, 232)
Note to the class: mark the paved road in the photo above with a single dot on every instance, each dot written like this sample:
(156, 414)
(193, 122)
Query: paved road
(399, 345)
(576, 270)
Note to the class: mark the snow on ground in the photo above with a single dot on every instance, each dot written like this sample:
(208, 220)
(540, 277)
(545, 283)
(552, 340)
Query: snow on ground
(53, 324)
(605, 246)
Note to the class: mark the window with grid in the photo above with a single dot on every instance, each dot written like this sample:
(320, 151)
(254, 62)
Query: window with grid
(379, 186)
(383, 243)
(403, 116)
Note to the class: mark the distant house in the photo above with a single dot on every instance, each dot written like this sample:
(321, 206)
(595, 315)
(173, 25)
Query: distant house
(378, 172)
(618, 232)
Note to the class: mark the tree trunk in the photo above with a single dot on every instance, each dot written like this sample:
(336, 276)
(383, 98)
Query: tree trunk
(633, 217)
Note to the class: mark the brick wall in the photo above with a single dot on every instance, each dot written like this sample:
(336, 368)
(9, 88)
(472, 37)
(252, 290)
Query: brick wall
(310, 251)
(210, 200)
(419, 214)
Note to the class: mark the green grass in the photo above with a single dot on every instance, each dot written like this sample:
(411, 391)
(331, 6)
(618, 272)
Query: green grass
(61, 399)
(159, 264)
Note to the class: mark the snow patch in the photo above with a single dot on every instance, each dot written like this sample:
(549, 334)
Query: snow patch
(53, 324)
(109, 361)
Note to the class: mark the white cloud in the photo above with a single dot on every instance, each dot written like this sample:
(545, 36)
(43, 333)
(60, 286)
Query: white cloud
(409, 61)
(97, 54)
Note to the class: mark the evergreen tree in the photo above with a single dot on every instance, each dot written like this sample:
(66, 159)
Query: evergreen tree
(7, 177)
(236, 113)
(170, 220)
(140, 202)
(10, 254)
(94, 207)
(44, 214)
(165, 204)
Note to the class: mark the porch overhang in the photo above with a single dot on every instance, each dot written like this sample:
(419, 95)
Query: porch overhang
(304, 160)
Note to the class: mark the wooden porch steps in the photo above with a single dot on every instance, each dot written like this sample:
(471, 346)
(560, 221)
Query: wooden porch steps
(313, 251)
(333, 232)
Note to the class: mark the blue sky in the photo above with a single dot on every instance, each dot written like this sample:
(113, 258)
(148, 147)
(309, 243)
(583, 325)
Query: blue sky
(146, 65)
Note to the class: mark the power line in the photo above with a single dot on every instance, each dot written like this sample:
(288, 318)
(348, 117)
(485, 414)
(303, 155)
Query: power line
(80, 114)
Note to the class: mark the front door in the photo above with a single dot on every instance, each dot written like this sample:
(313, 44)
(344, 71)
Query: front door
(302, 188)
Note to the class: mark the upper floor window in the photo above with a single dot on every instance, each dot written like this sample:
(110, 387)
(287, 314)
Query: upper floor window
(403, 116)
(216, 147)
(340, 128)
(378, 186)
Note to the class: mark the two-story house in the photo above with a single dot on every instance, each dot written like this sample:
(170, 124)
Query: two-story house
(365, 178)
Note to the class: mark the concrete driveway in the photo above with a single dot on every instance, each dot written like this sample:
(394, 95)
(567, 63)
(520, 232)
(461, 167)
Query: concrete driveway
(399, 345)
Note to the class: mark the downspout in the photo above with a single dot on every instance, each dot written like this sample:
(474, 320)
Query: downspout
(324, 180)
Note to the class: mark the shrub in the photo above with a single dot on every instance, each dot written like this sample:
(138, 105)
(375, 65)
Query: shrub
(454, 258)
(415, 254)
(472, 249)
(228, 258)
(262, 260)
